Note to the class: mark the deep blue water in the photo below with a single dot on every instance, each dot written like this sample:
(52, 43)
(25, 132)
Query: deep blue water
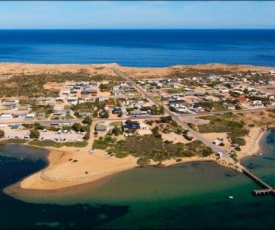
(140, 48)
(17, 162)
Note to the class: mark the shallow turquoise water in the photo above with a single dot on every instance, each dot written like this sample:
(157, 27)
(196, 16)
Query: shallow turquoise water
(185, 196)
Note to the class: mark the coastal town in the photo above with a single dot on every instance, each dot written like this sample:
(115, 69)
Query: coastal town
(149, 120)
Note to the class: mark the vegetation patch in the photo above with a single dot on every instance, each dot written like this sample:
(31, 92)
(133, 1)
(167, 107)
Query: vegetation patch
(14, 141)
(50, 143)
(103, 143)
(153, 148)
(223, 125)
(32, 85)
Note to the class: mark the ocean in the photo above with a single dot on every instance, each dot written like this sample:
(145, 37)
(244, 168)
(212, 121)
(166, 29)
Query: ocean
(185, 196)
(139, 48)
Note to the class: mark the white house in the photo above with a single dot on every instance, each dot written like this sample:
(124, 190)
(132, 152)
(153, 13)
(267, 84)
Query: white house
(30, 115)
(257, 103)
(6, 116)
(72, 100)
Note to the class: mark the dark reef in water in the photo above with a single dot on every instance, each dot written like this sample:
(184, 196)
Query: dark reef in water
(41, 216)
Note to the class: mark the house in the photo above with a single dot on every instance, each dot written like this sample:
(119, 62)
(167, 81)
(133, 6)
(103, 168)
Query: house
(6, 116)
(87, 91)
(241, 99)
(109, 103)
(61, 113)
(101, 127)
(84, 114)
(231, 107)
(199, 94)
(41, 115)
(30, 115)
(131, 126)
(72, 100)
(60, 123)
(16, 126)
(60, 99)
(102, 99)
(182, 109)
(196, 107)
(257, 103)
(138, 112)
(116, 110)
(228, 106)
(12, 104)
(174, 102)
(224, 90)
(43, 100)
(93, 92)
(20, 115)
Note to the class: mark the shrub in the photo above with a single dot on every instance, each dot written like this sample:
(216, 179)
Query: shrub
(87, 120)
(34, 134)
(2, 133)
(143, 161)
(121, 154)
(238, 148)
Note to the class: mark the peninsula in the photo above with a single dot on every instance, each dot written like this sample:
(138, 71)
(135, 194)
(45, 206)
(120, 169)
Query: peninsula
(97, 120)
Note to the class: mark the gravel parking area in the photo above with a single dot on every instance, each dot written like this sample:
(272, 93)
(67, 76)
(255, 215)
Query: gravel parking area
(48, 135)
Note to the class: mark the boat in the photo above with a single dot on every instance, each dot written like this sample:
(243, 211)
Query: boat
(260, 153)
(230, 197)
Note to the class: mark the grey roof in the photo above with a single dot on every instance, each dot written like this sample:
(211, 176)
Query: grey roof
(101, 127)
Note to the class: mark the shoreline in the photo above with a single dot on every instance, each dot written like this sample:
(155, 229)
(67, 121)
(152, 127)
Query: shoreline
(67, 168)
(253, 145)
(60, 172)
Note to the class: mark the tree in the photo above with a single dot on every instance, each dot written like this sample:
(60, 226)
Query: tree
(87, 135)
(128, 122)
(34, 134)
(116, 131)
(246, 91)
(87, 120)
(104, 114)
(2, 133)
(38, 126)
(161, 110)
(76, 127)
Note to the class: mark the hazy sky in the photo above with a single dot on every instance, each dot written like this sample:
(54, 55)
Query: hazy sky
(137, 14)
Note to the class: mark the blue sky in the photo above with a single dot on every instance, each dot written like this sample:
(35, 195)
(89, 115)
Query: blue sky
(137, 14)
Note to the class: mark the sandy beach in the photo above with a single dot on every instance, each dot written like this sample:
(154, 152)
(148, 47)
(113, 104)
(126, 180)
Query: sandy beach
(68, 168)
(252, 143)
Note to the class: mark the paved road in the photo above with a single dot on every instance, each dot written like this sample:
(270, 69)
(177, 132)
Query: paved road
(195, 134)
(48, 122)
(228, 111)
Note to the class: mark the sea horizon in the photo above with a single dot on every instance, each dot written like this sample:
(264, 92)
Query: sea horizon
(139, 47)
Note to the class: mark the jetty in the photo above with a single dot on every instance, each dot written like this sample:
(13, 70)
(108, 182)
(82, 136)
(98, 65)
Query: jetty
(267, 189)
